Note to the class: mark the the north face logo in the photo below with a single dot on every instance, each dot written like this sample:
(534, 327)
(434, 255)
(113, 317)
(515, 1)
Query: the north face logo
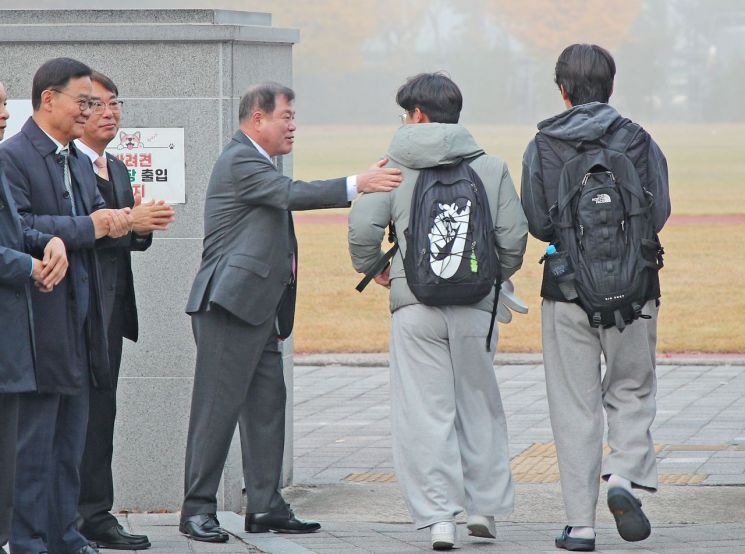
(602, 199)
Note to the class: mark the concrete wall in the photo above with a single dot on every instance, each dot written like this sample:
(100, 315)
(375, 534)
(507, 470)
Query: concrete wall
(174, 68)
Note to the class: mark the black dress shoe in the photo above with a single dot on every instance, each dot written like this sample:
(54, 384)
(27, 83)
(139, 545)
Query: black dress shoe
(203, 527)
(87, 549)
(116, 538)
(281, 523)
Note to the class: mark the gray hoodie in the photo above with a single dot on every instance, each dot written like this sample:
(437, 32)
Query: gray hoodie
(415, 147)
(586, 122)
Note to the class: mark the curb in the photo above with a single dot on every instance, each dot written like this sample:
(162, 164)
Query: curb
(380, 359)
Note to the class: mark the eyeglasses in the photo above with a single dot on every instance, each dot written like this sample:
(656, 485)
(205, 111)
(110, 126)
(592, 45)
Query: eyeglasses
(403, 117)
(83, 103)
(100, 107)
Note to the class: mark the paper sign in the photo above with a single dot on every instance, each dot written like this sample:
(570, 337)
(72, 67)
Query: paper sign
(155, 161)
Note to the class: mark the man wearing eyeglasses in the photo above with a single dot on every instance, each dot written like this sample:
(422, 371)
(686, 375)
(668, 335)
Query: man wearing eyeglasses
(119, 310)
(56, 193)
(26, 256)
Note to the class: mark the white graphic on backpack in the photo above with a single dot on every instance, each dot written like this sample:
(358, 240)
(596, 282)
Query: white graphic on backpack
(602, 199)
(447, 239)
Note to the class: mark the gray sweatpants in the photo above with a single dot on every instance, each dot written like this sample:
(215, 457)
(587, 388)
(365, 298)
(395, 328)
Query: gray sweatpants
(577, 396)
(448, 424)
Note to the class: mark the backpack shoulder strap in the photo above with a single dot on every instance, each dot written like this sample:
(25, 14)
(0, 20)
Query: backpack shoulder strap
(383, 261)
(622, 134)
(562, 149)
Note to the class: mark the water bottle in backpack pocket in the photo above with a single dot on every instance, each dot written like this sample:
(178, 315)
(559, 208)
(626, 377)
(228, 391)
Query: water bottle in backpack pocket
(560, 266)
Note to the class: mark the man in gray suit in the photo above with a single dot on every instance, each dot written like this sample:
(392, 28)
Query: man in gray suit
(242, 302)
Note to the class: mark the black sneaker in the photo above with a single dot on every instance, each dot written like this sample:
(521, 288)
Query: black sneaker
(575, 544)
(626, 508)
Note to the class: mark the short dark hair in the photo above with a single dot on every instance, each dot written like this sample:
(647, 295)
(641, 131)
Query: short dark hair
(55, 74)
(435, 94)
(104, 81)
(586, 72)
(262, 97)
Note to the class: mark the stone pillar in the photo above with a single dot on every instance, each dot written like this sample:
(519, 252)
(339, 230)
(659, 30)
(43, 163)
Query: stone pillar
(174, 68)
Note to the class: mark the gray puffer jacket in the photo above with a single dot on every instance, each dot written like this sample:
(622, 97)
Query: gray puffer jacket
(419, 146)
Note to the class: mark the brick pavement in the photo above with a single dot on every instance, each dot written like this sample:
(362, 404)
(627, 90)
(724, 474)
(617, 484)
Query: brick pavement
(342, 423)
(345, 477)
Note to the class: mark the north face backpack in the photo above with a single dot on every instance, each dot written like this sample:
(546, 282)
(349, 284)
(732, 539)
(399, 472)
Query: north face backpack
(603, 223)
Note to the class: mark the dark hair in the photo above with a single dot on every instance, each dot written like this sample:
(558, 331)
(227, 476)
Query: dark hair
(55, 74)
(435, 94)
(104, 81)
(586, 72)
(262, 97)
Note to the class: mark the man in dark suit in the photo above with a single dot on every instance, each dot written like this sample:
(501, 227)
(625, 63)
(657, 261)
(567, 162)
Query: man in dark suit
(119, 309)
(56, 193)
(18, 269)
(242, 301)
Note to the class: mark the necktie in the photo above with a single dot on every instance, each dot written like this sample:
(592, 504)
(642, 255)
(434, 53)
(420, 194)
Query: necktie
(65, 156)
(103, 169)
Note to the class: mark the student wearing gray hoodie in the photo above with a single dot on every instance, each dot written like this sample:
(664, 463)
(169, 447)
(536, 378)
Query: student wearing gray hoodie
(448, 425)
(577, 393)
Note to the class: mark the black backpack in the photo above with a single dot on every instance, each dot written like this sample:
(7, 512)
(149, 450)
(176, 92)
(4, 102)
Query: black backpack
(451, 256)
(603, 223)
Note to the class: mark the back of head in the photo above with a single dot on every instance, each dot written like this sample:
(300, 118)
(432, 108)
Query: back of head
(262, 97)
(55, 74)
(435, 94)
(586, 73)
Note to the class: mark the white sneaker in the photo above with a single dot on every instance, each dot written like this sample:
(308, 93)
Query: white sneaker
(443, 535)
(482, 526)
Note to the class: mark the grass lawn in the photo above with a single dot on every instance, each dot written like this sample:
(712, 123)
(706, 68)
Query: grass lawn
(703, 306)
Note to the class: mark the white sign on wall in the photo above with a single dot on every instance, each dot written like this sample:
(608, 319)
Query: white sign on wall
(155, 161)
(154, 156)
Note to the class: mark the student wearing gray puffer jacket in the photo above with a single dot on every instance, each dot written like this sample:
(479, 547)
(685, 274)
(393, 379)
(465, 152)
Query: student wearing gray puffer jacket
(448, 425)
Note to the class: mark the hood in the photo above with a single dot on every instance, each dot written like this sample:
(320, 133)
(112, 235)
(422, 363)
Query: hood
(584, 122)
(423, 145)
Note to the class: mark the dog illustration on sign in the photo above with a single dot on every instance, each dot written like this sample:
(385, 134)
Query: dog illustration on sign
(129, 141)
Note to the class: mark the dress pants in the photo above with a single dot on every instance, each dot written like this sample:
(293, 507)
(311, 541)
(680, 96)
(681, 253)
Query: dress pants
(577, 395)
(8, 432)
(51, 438)
(448, 425)
(238, 380)
(96, 480)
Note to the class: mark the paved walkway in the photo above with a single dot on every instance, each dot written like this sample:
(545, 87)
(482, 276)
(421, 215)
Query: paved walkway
(345, 477)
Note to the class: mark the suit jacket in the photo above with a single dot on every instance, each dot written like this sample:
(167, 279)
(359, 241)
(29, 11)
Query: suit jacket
(37, 183)
(110, 255)
(249, 240)
(17, 338)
